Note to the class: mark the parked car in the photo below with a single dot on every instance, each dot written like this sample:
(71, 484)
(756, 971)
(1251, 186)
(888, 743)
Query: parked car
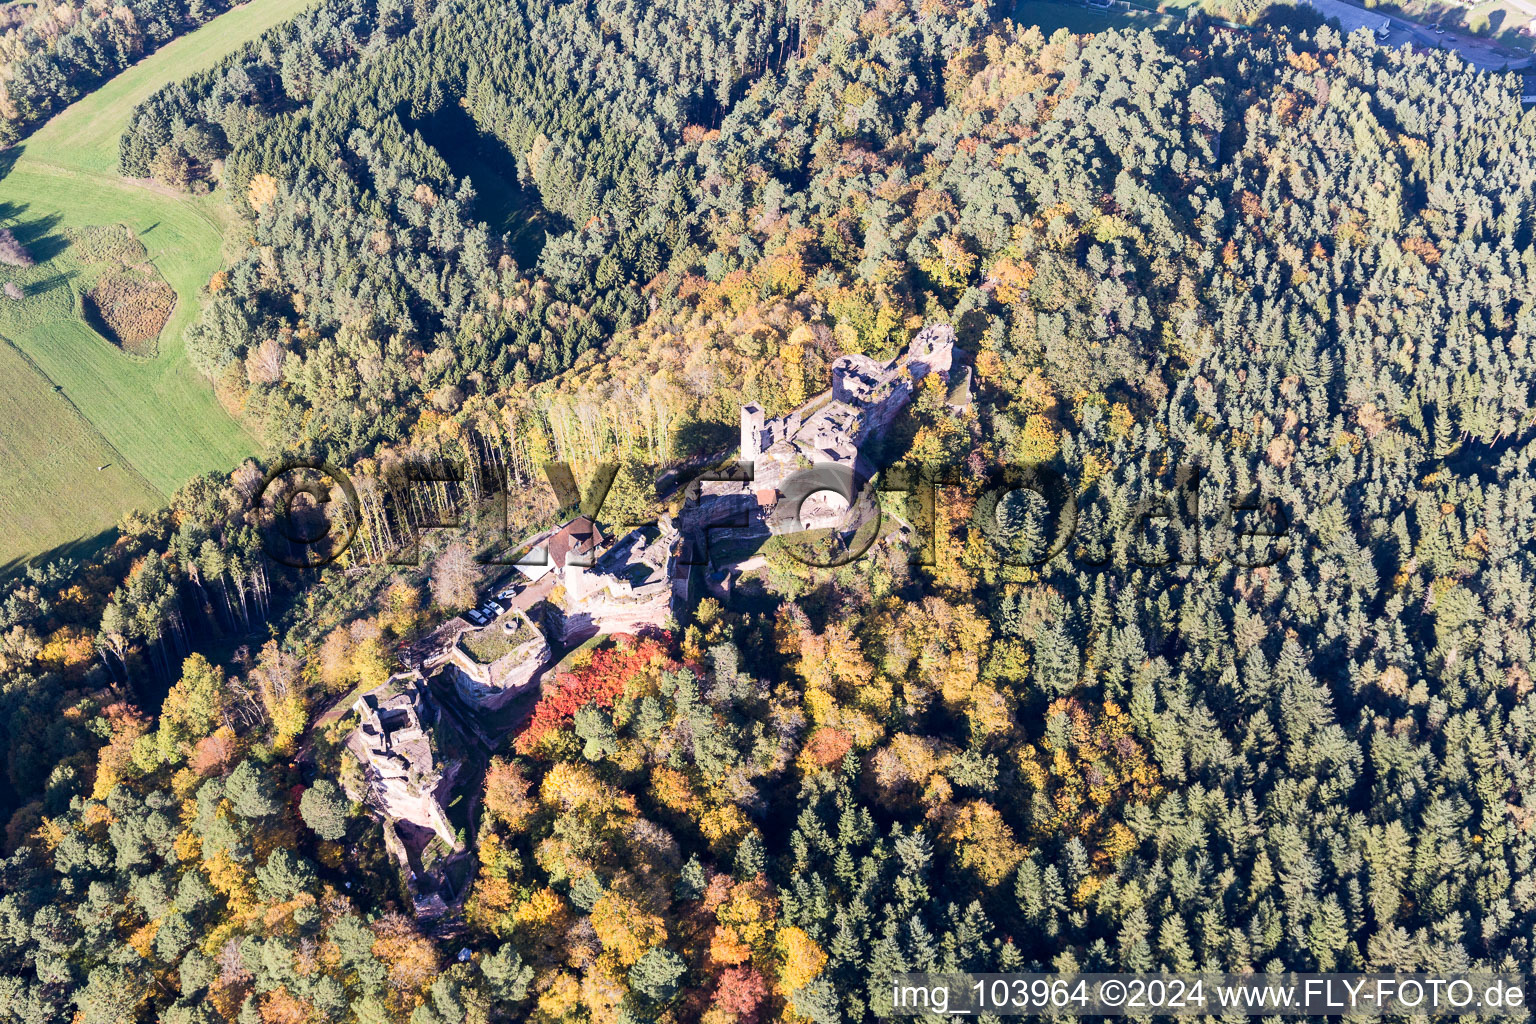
(475, 618)
(507, 594)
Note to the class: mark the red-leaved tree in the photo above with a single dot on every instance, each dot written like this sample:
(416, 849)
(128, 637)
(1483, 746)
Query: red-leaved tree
(599, 682)
(741, 991)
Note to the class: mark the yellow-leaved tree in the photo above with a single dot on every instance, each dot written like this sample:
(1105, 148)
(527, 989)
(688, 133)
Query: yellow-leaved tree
(261, 192)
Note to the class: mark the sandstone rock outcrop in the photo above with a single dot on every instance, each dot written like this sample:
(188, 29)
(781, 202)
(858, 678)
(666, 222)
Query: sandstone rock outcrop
(490, 685)
(406, 779)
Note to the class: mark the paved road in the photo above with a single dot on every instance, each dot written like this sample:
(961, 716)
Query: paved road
(1475, 50)
(1480, 53)
(533, 593)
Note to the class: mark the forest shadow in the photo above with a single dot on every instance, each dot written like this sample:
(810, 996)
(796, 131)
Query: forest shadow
(700, 437)
(1296, 17)
(1481, 459)
(504, 203)
(41, 236)
(91, 314)
(43, 240)
(79, 549)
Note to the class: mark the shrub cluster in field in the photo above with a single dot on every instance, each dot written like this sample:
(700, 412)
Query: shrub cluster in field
(129, 302)
(129, 305)
(113, 243)
(122, 294)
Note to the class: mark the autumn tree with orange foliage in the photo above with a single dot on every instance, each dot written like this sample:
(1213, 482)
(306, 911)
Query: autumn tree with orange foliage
(1087, 769)
(626, 662)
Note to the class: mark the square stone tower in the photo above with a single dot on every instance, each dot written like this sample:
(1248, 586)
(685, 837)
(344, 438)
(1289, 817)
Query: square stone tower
(751, 432)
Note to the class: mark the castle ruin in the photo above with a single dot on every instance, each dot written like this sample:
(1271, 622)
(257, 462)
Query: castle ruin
(404, 777)
(489, 683)
(831, 429)
(865, 398)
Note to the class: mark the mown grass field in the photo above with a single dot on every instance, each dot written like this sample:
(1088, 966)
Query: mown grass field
(51, 457)
(70, 395)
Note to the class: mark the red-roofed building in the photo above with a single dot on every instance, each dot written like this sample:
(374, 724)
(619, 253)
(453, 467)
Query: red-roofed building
(574, 546)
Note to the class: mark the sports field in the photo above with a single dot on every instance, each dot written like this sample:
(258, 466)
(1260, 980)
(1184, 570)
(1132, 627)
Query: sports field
(70, 400)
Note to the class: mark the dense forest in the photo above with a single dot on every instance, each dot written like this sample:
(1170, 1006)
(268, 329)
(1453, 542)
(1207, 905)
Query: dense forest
(1220, 283)
(52, 54)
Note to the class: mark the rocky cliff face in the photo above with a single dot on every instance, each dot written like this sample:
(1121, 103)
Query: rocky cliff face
(491, 685)
(406, 777)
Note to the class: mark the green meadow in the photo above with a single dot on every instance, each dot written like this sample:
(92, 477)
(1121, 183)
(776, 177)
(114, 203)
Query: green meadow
(71, 401)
